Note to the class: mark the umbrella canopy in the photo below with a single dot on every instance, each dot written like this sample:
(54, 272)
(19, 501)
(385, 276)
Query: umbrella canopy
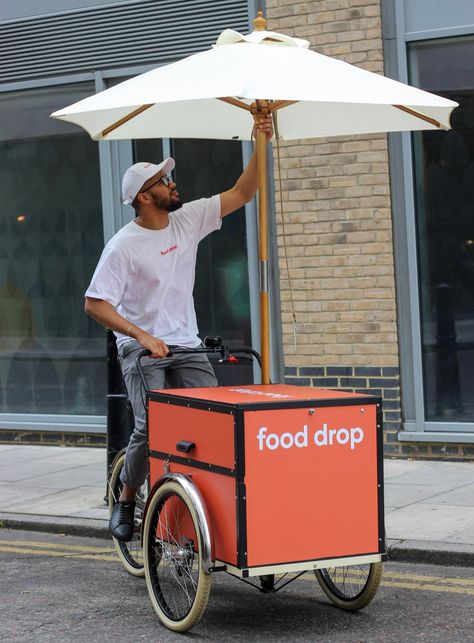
(322, 96)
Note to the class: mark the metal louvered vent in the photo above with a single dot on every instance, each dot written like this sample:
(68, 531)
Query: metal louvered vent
(135, 33)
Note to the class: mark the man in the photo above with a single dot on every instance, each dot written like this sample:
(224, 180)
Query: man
(142, 289)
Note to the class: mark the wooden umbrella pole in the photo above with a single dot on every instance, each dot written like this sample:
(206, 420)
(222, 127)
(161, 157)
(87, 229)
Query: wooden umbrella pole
(260, 109)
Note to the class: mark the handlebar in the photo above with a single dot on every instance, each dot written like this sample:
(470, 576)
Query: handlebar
(221, 349)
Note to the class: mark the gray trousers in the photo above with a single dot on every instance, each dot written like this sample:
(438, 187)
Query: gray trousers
(179, 371)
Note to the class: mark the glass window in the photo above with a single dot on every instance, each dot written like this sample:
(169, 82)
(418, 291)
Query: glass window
(221, 292)
(444, 187)
(51, 353)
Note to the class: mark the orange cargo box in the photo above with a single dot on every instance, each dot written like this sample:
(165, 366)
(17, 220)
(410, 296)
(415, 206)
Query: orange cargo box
(292, 477)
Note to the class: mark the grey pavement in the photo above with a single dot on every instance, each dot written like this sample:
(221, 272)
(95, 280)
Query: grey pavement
(429, 505)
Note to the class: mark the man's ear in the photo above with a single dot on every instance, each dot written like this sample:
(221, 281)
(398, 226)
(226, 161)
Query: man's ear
(143, 198)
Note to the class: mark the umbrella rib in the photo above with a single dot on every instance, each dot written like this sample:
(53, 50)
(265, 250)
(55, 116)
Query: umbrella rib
(235, 102)
(279, 104)
(423, 117)
(125, 119)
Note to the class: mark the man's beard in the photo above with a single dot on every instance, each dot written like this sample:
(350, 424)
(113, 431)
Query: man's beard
(175, 205)
(168, 204)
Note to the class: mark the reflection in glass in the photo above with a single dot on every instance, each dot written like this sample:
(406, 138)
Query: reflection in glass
(51, 353)
(221, 293)
(444, 177)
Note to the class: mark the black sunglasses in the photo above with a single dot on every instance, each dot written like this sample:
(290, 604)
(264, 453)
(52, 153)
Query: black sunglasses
(166, 180)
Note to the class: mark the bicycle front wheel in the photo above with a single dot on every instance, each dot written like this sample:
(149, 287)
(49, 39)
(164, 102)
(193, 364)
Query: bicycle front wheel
(352, 587)
(177, 585)
(130, 553)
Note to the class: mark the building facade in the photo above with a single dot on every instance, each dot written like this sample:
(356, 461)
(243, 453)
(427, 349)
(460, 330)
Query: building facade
(379, 230)
(372, 236)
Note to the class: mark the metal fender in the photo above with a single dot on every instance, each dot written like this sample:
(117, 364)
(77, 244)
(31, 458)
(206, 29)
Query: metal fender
(204, 523)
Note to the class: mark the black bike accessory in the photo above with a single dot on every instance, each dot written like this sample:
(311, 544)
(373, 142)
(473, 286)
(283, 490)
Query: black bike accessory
(185, 447)
(213, 341)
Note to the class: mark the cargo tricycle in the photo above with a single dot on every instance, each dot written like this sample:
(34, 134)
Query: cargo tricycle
(263, 482)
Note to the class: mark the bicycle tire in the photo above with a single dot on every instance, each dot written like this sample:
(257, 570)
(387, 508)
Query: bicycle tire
(130, 553)
(177, 584)
(352, 587)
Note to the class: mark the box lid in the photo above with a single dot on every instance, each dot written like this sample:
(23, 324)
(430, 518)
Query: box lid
(264, 393)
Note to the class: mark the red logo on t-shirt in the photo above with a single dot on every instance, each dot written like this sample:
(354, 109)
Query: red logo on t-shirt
(165, 252)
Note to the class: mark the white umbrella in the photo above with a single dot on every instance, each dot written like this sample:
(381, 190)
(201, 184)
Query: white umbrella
(213, 94)
(330, 97)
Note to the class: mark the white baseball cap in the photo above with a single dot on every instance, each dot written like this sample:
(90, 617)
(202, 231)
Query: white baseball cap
(138, 174)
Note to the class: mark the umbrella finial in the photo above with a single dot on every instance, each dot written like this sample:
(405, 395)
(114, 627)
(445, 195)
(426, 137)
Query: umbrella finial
(260, 23)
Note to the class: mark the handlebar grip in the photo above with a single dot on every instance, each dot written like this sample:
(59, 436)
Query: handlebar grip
(146, 353)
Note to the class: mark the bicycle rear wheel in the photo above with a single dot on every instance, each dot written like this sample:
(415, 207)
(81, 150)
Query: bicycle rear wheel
(130, 553)
(177, 585)
(352, 587)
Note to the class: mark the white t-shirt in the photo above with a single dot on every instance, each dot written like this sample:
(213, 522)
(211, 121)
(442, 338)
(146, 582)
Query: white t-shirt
(148, 275)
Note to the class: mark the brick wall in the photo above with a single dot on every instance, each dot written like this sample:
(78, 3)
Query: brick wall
(336, 204)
